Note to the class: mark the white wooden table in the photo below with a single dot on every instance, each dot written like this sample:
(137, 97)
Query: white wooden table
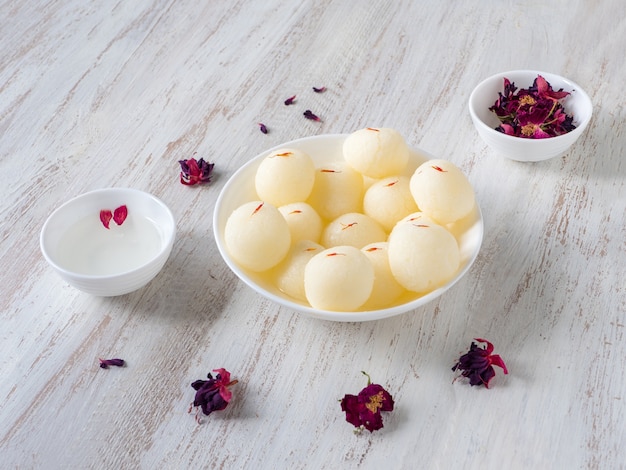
(99, 94)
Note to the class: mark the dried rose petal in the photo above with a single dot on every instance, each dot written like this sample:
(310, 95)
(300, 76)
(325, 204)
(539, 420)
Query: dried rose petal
(363, 411)
(319, 90)
(105, 217)
(263, 128)
(213, 394)
(533, 112)
(105, 363)
(477, 364)
(290, 100)
(309, 115)
(120, 214)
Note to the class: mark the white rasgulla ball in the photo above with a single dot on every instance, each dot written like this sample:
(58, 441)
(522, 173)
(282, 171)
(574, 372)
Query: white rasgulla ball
(442, 191)
(257, 236)
(389, 200)
(354, 229)
(338, 189)
(304, 222)
(376, 152)
(338, 279)
(386, 288)
(290, 272)
(422, 256)
(285, 176)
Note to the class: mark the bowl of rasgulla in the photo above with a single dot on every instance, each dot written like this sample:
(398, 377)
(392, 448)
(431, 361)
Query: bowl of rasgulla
(349, 227)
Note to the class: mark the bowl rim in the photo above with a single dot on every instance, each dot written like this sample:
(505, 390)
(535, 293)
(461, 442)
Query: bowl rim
(165, 247)
(359, 316)
(580, 92)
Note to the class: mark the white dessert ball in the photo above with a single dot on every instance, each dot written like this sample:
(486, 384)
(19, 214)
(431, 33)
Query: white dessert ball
(338, 189)
(285, 176)
(257, 235)
(442, 191)
(338, 279)
(304, 222)
(422, 256)
(389, 200)
(386, 288)
(289, 273)
(376, 152)
(354, 229)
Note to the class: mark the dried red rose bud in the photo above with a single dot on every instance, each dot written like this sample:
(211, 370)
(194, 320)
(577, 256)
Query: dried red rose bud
(263, 128)
(477, 364)
(213, 394)
(309, 115)
(290, 100)
(319, 90)
(195, 171)
(363, 411)
(105, 363)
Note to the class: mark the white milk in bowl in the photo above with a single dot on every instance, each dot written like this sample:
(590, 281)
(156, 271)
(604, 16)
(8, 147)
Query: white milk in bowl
(91, 249)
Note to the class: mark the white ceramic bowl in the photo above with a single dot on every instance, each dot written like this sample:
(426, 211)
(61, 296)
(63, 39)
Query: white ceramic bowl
(522, 149)
(324, 149)
(113, 261)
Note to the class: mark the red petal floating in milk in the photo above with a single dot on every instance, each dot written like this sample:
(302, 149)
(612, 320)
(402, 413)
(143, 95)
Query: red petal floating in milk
(119, 216)
(105, 217)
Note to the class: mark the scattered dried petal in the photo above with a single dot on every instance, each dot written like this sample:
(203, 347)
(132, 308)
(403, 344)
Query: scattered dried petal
(477, 364)
(120, 214)
(290, 100)
(213, 394)
(195, 171)
(309, 115)
(319, 90)
(105, 217)
(363, 411)
(105, 363)
(263, 128)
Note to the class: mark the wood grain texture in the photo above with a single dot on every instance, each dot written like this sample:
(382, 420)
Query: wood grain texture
(98, 94)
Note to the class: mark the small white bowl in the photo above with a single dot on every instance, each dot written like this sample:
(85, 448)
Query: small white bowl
(325, 149)
(114, 261)
(522, 149)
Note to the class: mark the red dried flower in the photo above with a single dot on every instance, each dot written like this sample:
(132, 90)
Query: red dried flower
(213, 394)
(533, 112)
(319, 90)
(290, 100)
(477, 364)
(263, 128)
(118, 216)
(105, 363)
(195, 171)
(363, 411)
(309, 115)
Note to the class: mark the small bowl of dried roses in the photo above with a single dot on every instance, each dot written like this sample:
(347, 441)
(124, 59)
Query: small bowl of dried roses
(109, 242)
(528, 115)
